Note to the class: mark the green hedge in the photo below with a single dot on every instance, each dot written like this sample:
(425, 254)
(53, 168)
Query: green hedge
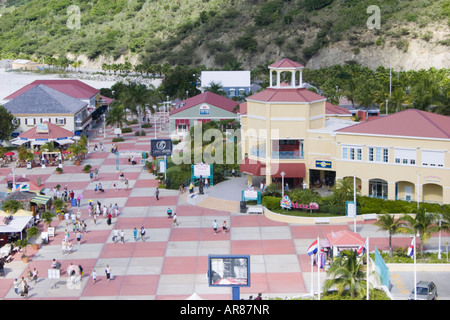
(271, 203)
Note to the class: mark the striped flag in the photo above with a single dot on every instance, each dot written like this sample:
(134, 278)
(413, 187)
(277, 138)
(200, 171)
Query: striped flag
(321, 259)
(411, 248)
(312, 248)
(362, 249)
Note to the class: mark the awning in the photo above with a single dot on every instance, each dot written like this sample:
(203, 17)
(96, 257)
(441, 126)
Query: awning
(291, 170)
(251, 166)
(41, 199)
(64, 141)
(18, 141)
(17, 224)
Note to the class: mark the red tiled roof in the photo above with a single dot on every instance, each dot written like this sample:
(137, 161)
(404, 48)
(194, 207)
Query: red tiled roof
(54, 132)
(243, 108)
(345, 238)
(74, 88)
(286, 63)
(286, 95)
(210, 98)
(410, 123)
(332, 109)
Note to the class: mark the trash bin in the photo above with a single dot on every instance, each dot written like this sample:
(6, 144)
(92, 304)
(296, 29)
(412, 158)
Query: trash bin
(243, 207)
(28, 165)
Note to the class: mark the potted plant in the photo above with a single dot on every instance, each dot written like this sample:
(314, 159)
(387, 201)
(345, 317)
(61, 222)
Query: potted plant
(87, 168)
(59, 170)
(33, 232)
(23, 244)
(47, 217)
(58, 205)
(25, 154)
(78, 150)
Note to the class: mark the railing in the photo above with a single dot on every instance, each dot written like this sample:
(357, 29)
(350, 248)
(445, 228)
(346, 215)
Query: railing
(287, 155)
(258, 153)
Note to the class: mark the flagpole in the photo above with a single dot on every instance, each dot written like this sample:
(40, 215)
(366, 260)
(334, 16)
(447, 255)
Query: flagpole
(318, 268)
(415, 276)
(368, 258)
(312, 275)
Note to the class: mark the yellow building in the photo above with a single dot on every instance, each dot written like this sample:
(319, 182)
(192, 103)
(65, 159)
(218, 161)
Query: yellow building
(287, 128)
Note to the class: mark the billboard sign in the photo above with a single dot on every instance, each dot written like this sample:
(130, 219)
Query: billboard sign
(229, 271)
(160, 147)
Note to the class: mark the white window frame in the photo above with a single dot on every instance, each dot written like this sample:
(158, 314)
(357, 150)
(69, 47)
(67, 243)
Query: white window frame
(352, 153)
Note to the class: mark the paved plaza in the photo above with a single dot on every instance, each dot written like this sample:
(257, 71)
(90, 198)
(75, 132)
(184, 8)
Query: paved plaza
(172, 261)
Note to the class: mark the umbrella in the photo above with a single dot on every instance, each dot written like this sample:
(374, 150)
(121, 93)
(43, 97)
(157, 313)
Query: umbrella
(9, 153)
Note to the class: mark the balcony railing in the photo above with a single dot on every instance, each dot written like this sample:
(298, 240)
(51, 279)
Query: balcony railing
(287, 155)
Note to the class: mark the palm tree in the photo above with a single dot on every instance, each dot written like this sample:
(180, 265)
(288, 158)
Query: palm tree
(388, 223)
(346, 274)
(135, 97)
(116, 115)
(343, 191)
(216, 87)
(398, 99)
(349, 90)
(12, 206)
(424, 223)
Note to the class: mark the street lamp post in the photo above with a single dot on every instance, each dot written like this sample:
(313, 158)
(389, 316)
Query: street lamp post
(282, 183)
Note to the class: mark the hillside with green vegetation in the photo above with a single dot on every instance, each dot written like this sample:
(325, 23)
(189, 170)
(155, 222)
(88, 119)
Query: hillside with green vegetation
(226, 34)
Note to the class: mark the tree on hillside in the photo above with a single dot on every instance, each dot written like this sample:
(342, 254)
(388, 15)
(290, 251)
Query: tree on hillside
(180, 81)
(8, 123)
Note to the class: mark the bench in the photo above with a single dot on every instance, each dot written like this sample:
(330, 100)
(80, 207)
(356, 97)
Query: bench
(370, 216)
(255, 210)
(321, 220)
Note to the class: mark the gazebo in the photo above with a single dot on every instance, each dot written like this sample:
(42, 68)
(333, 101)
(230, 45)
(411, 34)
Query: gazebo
(43, 133)
(344, 240)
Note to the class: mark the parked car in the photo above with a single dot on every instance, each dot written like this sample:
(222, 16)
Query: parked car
(426, 290)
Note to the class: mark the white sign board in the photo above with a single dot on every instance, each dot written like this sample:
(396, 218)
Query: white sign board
(203, 170)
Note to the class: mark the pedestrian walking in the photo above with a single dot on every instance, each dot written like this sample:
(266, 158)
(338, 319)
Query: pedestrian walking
(108, 272)
(79, 237)
(157, 193)
(169, 213)
(25, 288)
(91, 176)
(96, 173)
(224, 227)
(34, 275)
(115, 235)
(142, 233)
(215, 227)
(94, 276)
(135, 234)
(16, 285)
(67, 217)
(122, 236)
(126, 184)
(175, 220)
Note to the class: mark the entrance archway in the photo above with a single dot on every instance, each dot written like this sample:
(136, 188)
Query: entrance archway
(405, 190)
(378, 188)
(432, 193)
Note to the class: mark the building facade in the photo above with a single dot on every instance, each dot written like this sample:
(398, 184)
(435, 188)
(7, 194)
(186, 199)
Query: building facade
(204, 107)
(290, 133)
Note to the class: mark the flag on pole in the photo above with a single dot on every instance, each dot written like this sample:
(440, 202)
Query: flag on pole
(362, 249)
(411, 248)
(312, 248)
(321, 259)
